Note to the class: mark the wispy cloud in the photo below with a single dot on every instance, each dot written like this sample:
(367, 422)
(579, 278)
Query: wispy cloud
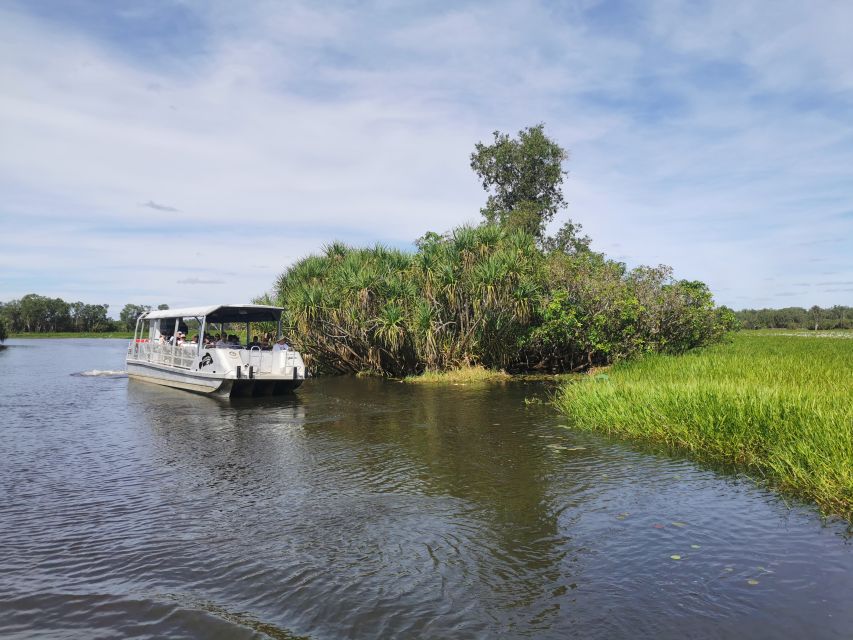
(158, 207)
(713, 138)
(200, 281)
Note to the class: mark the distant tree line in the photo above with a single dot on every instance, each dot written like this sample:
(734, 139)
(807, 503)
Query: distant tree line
(41, 314)
(836, 317)
(502, 294)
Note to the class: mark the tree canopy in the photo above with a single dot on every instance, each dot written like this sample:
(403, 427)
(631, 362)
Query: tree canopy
(835, 317)
(33, 313)
(524, 179)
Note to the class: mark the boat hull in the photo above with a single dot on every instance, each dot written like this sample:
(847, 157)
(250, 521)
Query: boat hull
(211, 385)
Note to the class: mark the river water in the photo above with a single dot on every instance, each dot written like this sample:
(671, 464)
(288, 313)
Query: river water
(366, 509)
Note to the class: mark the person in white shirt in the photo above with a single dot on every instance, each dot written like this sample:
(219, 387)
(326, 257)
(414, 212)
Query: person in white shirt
(281, 345)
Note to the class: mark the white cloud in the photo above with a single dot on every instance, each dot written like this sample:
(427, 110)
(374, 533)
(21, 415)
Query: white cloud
(293, 125)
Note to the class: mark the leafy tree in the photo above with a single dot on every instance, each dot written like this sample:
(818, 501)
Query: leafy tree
(94, 317)
(162, 307)
(814, 312)
(10, 314)
(524, 178)
(130, 313)
(76, 313)
(4, 333)
(568, 239)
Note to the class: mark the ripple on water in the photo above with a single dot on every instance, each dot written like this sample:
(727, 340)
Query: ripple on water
(361, 508)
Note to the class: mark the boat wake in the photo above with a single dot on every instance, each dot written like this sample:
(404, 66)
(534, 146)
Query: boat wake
(98, 373)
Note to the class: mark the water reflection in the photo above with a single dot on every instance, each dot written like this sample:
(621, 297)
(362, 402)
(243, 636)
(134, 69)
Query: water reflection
(367, 508)
(442, 494)
(374, 474)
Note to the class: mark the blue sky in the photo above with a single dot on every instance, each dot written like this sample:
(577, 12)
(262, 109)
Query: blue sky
(187, 152)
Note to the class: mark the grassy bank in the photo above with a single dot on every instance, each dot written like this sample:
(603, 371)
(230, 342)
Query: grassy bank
(777, 406)
(67, 334)
(463, 375)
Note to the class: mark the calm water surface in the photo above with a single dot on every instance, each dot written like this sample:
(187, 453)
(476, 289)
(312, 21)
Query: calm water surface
(365, 509)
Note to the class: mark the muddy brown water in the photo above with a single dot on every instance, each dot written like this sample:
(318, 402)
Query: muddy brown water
(373, 509)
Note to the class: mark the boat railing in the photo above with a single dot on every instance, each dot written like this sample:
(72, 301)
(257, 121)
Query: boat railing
(180, 355)
(183, 356)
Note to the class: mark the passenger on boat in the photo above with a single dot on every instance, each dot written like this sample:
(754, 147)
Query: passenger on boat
(255, 342)
(281, 345)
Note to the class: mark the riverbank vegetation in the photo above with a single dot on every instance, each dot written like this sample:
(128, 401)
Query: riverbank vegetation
(502, 295)
(41, 316)
(814, 319)
(775, 406)
(465, 375)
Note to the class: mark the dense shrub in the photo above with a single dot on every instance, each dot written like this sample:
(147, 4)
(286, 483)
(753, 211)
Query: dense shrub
(486, 295)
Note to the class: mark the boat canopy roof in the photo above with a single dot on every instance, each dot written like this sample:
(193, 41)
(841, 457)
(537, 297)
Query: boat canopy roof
(221, 313)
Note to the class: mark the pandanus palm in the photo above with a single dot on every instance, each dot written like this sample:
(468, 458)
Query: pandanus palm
(479, 294)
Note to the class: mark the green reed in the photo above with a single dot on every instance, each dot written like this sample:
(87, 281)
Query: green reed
(779, 407)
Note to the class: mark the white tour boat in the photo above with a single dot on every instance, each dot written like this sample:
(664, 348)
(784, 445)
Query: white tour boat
(163, 353)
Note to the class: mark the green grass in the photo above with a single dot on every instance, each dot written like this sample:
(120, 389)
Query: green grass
(777, 406)
(464, 375)
(67, 334)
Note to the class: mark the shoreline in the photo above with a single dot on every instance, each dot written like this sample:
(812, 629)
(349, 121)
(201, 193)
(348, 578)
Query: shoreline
(775, 407)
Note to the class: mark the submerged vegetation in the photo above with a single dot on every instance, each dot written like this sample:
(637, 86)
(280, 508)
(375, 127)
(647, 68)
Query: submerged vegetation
(776, 406)
(501, 295)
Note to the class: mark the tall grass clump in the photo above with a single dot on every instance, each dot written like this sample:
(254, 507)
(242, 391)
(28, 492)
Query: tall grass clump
(465, 375)
(779, 407)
